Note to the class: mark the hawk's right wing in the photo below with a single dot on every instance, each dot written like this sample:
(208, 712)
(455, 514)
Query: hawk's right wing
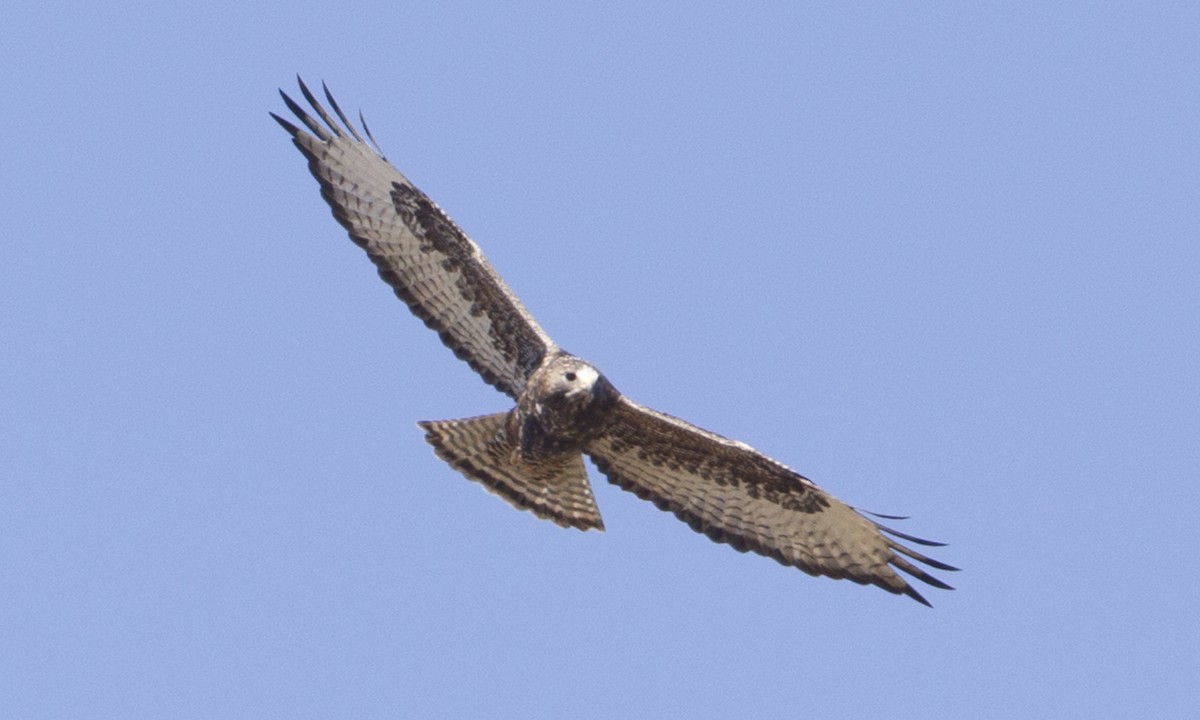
(736, 495)
(430, 263)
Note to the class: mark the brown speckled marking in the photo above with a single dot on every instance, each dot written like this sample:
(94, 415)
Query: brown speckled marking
(474, 282)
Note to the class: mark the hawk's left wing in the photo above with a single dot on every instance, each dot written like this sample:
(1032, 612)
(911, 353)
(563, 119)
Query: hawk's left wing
(736, 495)
(430, 263)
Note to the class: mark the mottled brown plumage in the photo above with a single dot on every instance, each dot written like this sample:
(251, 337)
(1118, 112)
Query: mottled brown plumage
(532, 456)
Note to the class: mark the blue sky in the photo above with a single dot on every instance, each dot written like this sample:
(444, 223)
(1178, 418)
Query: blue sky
(941, 259)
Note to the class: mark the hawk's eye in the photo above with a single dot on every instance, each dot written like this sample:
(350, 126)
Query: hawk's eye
(570, 377)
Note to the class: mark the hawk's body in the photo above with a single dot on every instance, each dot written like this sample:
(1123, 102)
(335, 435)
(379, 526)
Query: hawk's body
(532, 456)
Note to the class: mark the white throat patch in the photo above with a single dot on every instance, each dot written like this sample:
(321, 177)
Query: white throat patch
(587, 375)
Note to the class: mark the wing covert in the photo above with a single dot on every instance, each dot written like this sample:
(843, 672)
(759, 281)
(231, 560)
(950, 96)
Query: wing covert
(736, 495)
(428, 261)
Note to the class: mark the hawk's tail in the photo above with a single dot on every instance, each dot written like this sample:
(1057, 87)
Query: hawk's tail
(479, 448)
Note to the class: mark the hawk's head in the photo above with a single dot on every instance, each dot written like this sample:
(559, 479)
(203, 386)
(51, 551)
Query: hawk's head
(565, 379)
(569, 395)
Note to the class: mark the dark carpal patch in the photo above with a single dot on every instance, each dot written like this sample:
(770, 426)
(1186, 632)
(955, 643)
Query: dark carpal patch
(758, 477)
(475, 283)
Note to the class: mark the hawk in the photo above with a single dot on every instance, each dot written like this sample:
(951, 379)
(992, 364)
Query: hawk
(532, 455)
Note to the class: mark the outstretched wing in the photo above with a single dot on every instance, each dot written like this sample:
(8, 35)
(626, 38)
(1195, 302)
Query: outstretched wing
(736, 495)
(430, 263)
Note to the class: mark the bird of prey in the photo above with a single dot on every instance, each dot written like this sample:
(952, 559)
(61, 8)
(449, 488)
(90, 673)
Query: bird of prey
(532, 455)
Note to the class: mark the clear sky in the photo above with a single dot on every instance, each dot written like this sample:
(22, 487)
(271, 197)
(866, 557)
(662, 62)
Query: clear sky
(944, 259)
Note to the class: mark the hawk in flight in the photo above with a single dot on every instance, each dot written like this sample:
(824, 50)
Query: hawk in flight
(532, 455)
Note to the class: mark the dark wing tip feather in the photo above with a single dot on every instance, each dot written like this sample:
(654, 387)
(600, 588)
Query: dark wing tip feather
(910, 591)
(332, 127)
(897, 547)
(910, 538)
(919, 574)
(363, 121)
(881, 515)
(291, 129)
(305, 118)
(319, 109)
(333, 103)
(904, 565)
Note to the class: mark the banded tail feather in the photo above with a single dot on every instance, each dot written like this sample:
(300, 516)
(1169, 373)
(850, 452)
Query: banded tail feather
(480, 448)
